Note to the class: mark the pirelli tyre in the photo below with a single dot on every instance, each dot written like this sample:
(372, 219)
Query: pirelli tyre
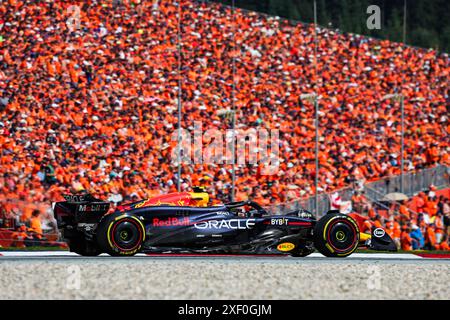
(120, 234)
(336, 235)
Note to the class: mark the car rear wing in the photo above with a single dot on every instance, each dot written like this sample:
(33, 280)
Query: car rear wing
(79, 209)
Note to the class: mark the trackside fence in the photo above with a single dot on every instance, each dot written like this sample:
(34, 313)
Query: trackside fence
(413, 183)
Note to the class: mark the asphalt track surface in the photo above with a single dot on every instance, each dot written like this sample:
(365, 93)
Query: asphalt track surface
(55, 275)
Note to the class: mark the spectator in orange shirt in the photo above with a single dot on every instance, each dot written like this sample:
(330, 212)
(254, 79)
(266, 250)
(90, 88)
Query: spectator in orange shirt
(21, 237)
(35, 224)
(420, 202)
(377, 222)
(430, 238)
(439, 227)
(406, 241)
(444, 245)
(403, 211)
(431, 206)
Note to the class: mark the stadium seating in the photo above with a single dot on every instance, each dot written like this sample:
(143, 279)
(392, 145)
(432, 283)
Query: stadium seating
(92, 103)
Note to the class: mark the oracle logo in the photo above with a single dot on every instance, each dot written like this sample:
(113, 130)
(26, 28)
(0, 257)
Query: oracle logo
(237, 224)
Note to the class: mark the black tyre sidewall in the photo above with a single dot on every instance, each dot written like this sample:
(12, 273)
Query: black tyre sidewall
(106, 239)
(325, 245)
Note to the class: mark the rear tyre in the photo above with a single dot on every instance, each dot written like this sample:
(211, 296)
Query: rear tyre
(120, 234)
(336, 235)
(83, 247)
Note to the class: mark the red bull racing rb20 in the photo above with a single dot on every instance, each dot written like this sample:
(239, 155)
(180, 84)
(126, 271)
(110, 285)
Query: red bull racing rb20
(183, 223)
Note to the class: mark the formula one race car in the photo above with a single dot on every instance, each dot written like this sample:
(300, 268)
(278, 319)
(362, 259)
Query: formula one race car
(181, 222)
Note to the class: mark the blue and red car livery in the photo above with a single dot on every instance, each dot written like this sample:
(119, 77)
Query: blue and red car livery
(182, 222)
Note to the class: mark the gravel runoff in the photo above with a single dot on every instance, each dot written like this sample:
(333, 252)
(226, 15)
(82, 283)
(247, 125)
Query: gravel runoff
(188, 279)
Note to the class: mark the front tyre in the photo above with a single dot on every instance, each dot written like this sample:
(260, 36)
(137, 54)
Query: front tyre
(120, 234)
(336, 235)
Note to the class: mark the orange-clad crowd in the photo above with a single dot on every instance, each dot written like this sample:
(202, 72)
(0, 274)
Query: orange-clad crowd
(421, 222)
(88, 100)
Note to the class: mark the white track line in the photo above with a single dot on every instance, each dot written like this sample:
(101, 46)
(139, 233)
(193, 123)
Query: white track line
(374, 256)
(28, 254)
(369, 256)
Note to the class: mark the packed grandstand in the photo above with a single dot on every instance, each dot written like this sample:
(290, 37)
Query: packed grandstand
(94, 107)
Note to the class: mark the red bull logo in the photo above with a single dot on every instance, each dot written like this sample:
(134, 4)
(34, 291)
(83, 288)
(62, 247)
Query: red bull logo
(170, 222)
